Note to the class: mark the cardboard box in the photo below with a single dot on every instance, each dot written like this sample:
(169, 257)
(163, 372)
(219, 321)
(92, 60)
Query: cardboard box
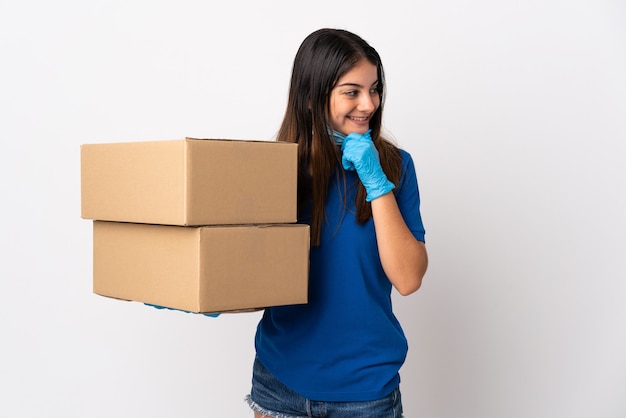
(202, 269)
(190, 182)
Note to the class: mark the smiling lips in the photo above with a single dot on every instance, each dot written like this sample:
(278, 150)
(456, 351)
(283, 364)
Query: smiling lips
(360, 120)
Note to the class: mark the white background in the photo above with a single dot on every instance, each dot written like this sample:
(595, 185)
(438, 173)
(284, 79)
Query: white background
(515, 114)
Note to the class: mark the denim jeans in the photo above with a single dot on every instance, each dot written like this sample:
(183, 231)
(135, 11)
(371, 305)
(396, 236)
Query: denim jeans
(271, 398)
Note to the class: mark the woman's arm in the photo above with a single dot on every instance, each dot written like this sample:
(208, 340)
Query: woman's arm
(403, 257)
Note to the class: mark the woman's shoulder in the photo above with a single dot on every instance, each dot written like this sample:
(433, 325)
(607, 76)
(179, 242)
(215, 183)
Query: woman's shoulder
(405, 154)
(407, 159)
(395, 148)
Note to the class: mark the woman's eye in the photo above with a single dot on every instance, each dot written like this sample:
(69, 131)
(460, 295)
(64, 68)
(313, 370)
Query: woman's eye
(352, 93)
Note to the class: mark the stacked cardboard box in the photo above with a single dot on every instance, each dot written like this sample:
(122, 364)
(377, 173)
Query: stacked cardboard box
(201, 225)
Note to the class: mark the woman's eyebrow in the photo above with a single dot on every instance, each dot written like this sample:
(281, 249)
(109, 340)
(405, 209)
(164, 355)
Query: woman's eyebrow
(355, 84)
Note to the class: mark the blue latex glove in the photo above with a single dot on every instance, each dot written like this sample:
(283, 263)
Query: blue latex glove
(212, 315)
(360, 154)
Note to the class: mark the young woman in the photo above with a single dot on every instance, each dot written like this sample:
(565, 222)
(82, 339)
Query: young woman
(339, 355)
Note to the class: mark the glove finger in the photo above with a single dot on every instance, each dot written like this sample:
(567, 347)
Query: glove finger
(356, 136)
(347, 164)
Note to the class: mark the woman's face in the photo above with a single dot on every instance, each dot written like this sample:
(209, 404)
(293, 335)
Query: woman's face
(354, 99)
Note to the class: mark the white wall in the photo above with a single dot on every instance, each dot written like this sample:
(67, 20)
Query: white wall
(515, 113)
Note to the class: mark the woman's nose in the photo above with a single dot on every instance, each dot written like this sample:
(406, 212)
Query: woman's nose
(366, 104)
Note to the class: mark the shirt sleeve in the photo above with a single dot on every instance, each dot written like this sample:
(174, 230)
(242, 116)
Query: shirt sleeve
(408, 198)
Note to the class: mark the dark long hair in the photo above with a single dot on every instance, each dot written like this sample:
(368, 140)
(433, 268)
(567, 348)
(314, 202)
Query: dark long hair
(322, 59)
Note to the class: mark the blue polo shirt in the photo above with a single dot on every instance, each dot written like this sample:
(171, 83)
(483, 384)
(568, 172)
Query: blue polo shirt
(345, 344)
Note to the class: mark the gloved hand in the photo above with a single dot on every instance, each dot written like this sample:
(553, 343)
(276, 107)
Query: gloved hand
(360, 154)
(212, 315)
